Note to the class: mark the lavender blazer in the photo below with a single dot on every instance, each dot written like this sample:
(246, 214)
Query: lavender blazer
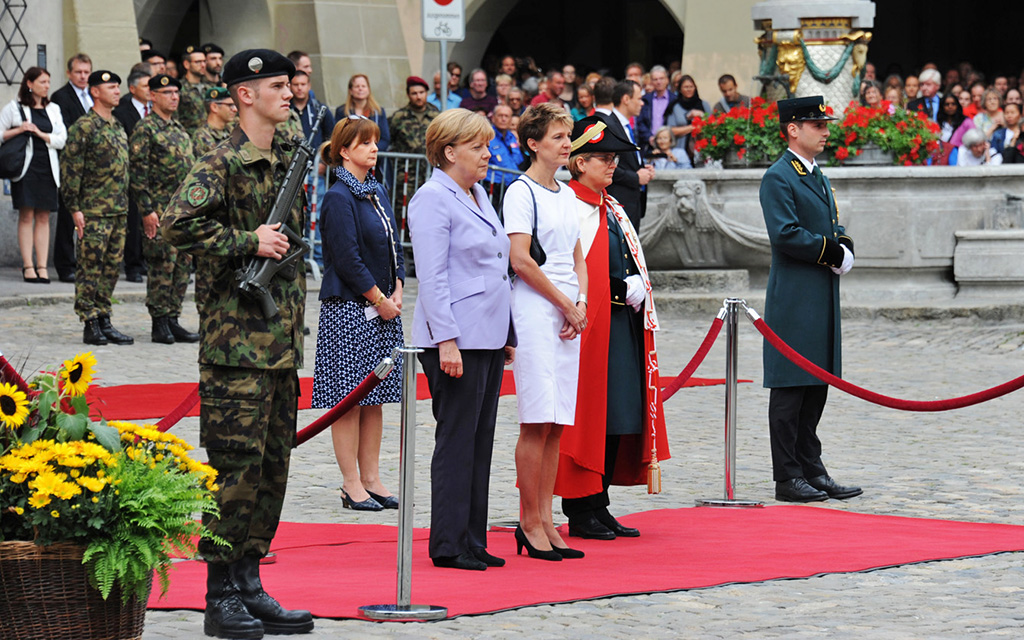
(462, 267)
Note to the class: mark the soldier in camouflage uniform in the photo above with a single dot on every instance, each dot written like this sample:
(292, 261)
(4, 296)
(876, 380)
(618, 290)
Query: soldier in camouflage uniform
(409, 124)
(192, 112)
(161, 155)
(94, 186)
(220, 119)
(248, 363)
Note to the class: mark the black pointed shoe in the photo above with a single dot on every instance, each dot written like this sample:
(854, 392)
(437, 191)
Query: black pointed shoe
(112, 334)
(797, 490)
(92, 334)
(608, 520)
(832, 488)
(490, 560)
(180, 333)
(589, 527)
(465, 560)
(388, 502)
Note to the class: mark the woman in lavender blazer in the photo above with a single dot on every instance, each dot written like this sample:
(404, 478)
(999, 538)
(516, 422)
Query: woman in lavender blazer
(463, 322)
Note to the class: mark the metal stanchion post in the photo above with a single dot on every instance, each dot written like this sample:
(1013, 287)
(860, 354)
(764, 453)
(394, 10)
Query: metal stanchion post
(731, 361)
(403, 610)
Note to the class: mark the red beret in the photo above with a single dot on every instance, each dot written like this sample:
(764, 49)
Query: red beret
(412, 81)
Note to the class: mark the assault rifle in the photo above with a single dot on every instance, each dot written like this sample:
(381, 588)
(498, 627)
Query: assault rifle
(254, 279)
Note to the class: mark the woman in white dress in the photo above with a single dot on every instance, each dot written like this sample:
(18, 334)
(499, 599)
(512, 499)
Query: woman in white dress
(549, 308)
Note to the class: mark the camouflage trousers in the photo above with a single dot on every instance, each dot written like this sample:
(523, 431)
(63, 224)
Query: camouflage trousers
(100, 250)
(167, 274)
(247, 425)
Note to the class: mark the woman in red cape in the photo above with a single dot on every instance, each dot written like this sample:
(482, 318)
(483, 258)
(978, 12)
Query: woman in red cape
(619, 434)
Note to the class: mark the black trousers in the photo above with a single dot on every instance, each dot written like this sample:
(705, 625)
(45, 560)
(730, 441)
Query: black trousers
(64, 241)
(466, 409)
(133, 261)
(575, 508)
(793, 415)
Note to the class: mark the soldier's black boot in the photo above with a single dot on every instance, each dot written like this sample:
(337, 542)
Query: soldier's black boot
(93, 334)
(180, 333)
(162, 331)
(276, 619)
(112, 334)
(226, 615)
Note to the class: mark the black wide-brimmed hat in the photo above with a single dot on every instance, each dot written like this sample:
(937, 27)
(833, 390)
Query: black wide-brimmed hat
(592, 135)
(803, 109)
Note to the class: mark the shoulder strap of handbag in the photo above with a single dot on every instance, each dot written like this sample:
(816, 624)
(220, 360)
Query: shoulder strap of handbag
(501, 212)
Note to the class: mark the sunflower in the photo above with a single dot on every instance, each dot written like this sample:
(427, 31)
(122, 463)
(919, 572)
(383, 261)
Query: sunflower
(77, 373)
(13, 406)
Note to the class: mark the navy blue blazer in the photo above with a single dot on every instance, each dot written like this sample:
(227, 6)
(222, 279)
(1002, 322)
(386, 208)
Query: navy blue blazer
(355, 243)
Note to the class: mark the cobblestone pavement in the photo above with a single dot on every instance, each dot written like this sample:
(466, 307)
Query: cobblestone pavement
(961, 465)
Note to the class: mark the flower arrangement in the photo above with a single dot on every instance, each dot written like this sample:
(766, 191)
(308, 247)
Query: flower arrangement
(128, 493)
(910, 136)
(752, 133)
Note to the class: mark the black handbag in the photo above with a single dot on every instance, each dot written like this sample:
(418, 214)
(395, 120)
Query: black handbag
(536, 251)
(12, 154)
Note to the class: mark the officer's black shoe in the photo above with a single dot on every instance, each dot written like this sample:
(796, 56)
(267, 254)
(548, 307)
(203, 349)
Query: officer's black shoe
(66, 277)
(180, 333)
(588, 526)
(797, 490)
(226, 615)
(93, 334)
(133, 276)
(609, 521)
(162, 331)
(832, 488)
(112, 334)
(276, 619)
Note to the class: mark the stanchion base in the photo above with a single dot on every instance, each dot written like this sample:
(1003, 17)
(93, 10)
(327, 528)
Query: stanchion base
(722, 502)
(404, 612)
(503, 525)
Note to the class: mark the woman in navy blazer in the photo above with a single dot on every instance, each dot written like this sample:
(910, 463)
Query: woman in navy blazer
(360, 310)
(463, 322)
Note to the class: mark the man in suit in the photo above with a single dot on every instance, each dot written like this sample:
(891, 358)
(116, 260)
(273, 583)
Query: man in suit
(810, 250)
(930, 98)
(629, 184)
(74, 101)
(652, 113)
(133, 107)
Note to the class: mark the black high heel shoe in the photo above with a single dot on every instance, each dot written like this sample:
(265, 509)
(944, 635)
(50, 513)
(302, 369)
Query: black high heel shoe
(567, 553)
(26, 278)
(366, 505)
(388, 502)
(522, 541)
(41, 279)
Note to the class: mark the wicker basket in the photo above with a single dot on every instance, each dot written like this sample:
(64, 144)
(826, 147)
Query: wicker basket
(46, 595)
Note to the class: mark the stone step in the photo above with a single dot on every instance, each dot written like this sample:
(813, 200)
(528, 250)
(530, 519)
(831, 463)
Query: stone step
(710, 281)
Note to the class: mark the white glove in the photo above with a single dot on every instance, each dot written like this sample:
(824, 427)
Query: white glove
(847, 263)
(635, 292)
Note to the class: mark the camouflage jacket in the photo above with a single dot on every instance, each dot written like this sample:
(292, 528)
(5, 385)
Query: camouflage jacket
(94, 167)
(214, 216)
(161, 154)
(191, 109)
(206, 138)
(409, 128)
(292, 126)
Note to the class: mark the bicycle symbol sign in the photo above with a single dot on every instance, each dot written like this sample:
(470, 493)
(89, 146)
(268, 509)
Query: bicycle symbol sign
(444, 20)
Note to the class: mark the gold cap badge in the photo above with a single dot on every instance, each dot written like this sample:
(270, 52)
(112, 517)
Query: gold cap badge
(105, 77)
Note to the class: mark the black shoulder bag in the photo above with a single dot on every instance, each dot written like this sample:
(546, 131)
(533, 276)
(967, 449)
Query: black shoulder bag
(536, 251)
(12, 154)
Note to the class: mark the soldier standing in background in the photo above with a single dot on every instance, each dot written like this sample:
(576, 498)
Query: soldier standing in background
(214, 63)
(220, 119)
(94, 186)
(161, 155)
(248, 363)
(409, 124)
(134, 107)
(191, 112)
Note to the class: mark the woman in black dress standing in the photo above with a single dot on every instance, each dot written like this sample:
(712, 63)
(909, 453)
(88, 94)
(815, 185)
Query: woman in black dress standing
(34, 192)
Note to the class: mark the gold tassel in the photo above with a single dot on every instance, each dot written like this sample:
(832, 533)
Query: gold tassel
(654, 476)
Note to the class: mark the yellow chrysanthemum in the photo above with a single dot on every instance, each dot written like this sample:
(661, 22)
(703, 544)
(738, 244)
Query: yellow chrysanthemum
(77, 373)
(55, 513)
(39, 500)
(19, 510)
(92, 484)
(13, 406)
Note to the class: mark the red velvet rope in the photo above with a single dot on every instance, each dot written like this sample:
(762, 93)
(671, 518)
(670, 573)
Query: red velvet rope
(877, 398)
(179, 411)
(340, 409)
(698, 358)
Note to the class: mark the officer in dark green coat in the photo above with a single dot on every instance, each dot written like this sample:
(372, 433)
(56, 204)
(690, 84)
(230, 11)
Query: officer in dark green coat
(810, 251)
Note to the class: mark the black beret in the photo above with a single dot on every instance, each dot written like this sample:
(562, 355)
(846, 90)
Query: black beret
(802, 109)
(591, 135)
(152, 53)
(256, 63)
(190, 49)
(209, 47)
(214, 94)
(103, 77)
(162, 81)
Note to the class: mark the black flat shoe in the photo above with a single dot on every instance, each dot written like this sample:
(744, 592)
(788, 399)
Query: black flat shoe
(533, 552)
(366, 505)
(608, 520)
(567, 553)
(797, 490)
(462, 561)
(590, 528)
(491, 561)
(388, 502)
(834, 489)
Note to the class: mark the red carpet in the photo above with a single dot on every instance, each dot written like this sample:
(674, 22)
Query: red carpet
(334, 569)
(138, 401)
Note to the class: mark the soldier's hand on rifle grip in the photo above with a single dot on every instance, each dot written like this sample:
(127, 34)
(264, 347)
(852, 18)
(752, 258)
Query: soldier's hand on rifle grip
(273, 244)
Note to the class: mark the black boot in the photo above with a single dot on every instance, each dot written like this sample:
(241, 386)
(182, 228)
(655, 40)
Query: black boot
(93, 334)
(162, 331)
(275, 618)
(226, 615)
(112, 334)
(180, 333)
